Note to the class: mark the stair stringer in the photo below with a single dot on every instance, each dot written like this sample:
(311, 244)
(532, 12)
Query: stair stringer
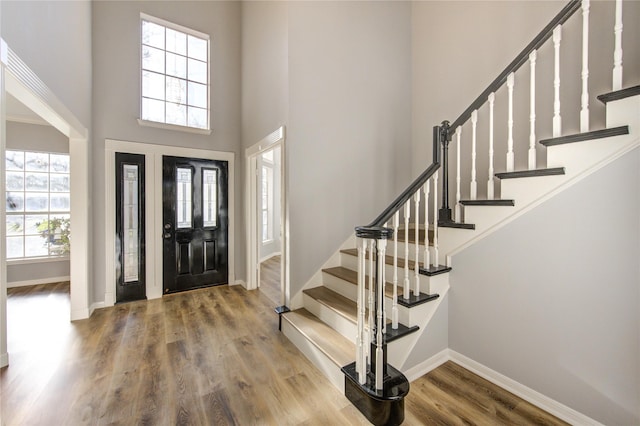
(579, 159)
(297, 300)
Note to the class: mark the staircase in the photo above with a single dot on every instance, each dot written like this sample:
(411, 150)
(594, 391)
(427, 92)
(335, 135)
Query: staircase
(375, 299)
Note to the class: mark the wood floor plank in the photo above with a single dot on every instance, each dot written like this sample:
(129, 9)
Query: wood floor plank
(209, 357)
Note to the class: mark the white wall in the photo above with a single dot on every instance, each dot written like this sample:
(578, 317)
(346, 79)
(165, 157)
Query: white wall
(38, 138)
(552, 300)
(116, 91)
(349, 128)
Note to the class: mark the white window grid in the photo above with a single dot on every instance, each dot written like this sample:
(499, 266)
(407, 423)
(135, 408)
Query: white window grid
(26, 238)
(174, 88)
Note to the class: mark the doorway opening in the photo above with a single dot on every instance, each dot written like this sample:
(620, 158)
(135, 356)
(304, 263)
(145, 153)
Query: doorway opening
(267, 210)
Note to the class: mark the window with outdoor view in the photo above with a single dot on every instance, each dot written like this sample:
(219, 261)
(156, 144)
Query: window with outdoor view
(175, 74)
(38, 204)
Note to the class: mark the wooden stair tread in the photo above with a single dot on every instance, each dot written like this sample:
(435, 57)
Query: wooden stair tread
(619, 94)
(351, 276)
(333, 344)
(509, 203)
(337, 302)
(531, 173)
(388, 259)
(586, 136)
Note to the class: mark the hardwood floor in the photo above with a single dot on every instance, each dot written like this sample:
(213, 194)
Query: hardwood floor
(207, 357)
(270, 279)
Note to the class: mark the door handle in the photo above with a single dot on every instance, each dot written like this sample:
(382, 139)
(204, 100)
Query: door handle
(167, 235)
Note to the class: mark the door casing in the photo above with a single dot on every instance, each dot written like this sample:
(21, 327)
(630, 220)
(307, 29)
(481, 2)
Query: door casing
(153, 226)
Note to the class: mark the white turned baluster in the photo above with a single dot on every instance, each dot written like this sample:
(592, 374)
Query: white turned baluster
(617, 52)
(416, 198)
(425, 188)
(492, 98)
(458, 215)
(394, 307)
(532, 111)
(557, 120)
(435, 220)
(371, 299)
(510, 159)
(474, 184)
(382, 244)
(407, 214)
(584, 112)
(361, 357)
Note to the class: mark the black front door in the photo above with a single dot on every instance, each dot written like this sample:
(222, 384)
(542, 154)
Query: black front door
(130, 238)
(195, 223)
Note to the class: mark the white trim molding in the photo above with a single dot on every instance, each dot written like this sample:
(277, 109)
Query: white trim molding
(153, 215)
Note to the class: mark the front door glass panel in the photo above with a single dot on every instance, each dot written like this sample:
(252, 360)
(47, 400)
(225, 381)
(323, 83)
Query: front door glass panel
(183, 200)
(130, 215)
(209, 197)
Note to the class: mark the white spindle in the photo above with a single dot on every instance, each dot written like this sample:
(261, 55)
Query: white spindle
(435, 259)
(407, 214)
(416, 276)
(492, 98)
(474, 184)
(533, 56)
(394, 307)
(584, 112)
(371, 300)
(510, 159)
(557, 120)
(458, 215)
(425, 188)
(382, 244)
(617, 53)
(361, 357)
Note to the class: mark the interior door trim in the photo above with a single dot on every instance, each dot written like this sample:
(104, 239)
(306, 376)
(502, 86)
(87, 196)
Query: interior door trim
(153, 176)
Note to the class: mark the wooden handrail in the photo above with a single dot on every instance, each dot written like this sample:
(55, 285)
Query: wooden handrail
(522, 58)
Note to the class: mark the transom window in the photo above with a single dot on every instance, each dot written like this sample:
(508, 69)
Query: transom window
(175, 74)
(38, 204)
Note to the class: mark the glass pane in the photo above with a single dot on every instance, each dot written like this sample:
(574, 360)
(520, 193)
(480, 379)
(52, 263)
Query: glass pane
(15, 247)
(60, 202)
(268, 156)
(15, 181)
(59, 183)
(197, 117)
(197, 95)
(176, 41)
(183, 199)
(130, 215)
(36, 182)
(15, 160)
(59, 163)
(152, 110)
(35, 202)
(210, 197)
(153, 34)
(36, 161)
(15, 201)
(34, 224)
(152, 59)
(177, 114)
(265, 225)
(15, 225)
(197, 71)
(36, 246)
(176, 65)
(152, 85)
(60, 231)
(197, 48)
(176, 90)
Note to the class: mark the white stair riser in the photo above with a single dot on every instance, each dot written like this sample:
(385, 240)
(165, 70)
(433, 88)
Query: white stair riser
(485, 216)
(625, 112)
(590, 153)
(330, 317)
(315, 355)
(526, 190)
(351, 262)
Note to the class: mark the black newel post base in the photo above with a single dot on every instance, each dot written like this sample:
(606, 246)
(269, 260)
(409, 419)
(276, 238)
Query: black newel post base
(281, 310)
(381, 408)
(444, 216)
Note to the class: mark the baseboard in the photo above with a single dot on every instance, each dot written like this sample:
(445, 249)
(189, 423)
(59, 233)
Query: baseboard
(240, 282)
(427, 365)
(97, 305)
(39, 281)
(536, 398)
(4, 359)
(80, 314)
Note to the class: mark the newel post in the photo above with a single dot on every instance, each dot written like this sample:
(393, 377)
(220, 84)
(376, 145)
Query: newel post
(444, 135)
